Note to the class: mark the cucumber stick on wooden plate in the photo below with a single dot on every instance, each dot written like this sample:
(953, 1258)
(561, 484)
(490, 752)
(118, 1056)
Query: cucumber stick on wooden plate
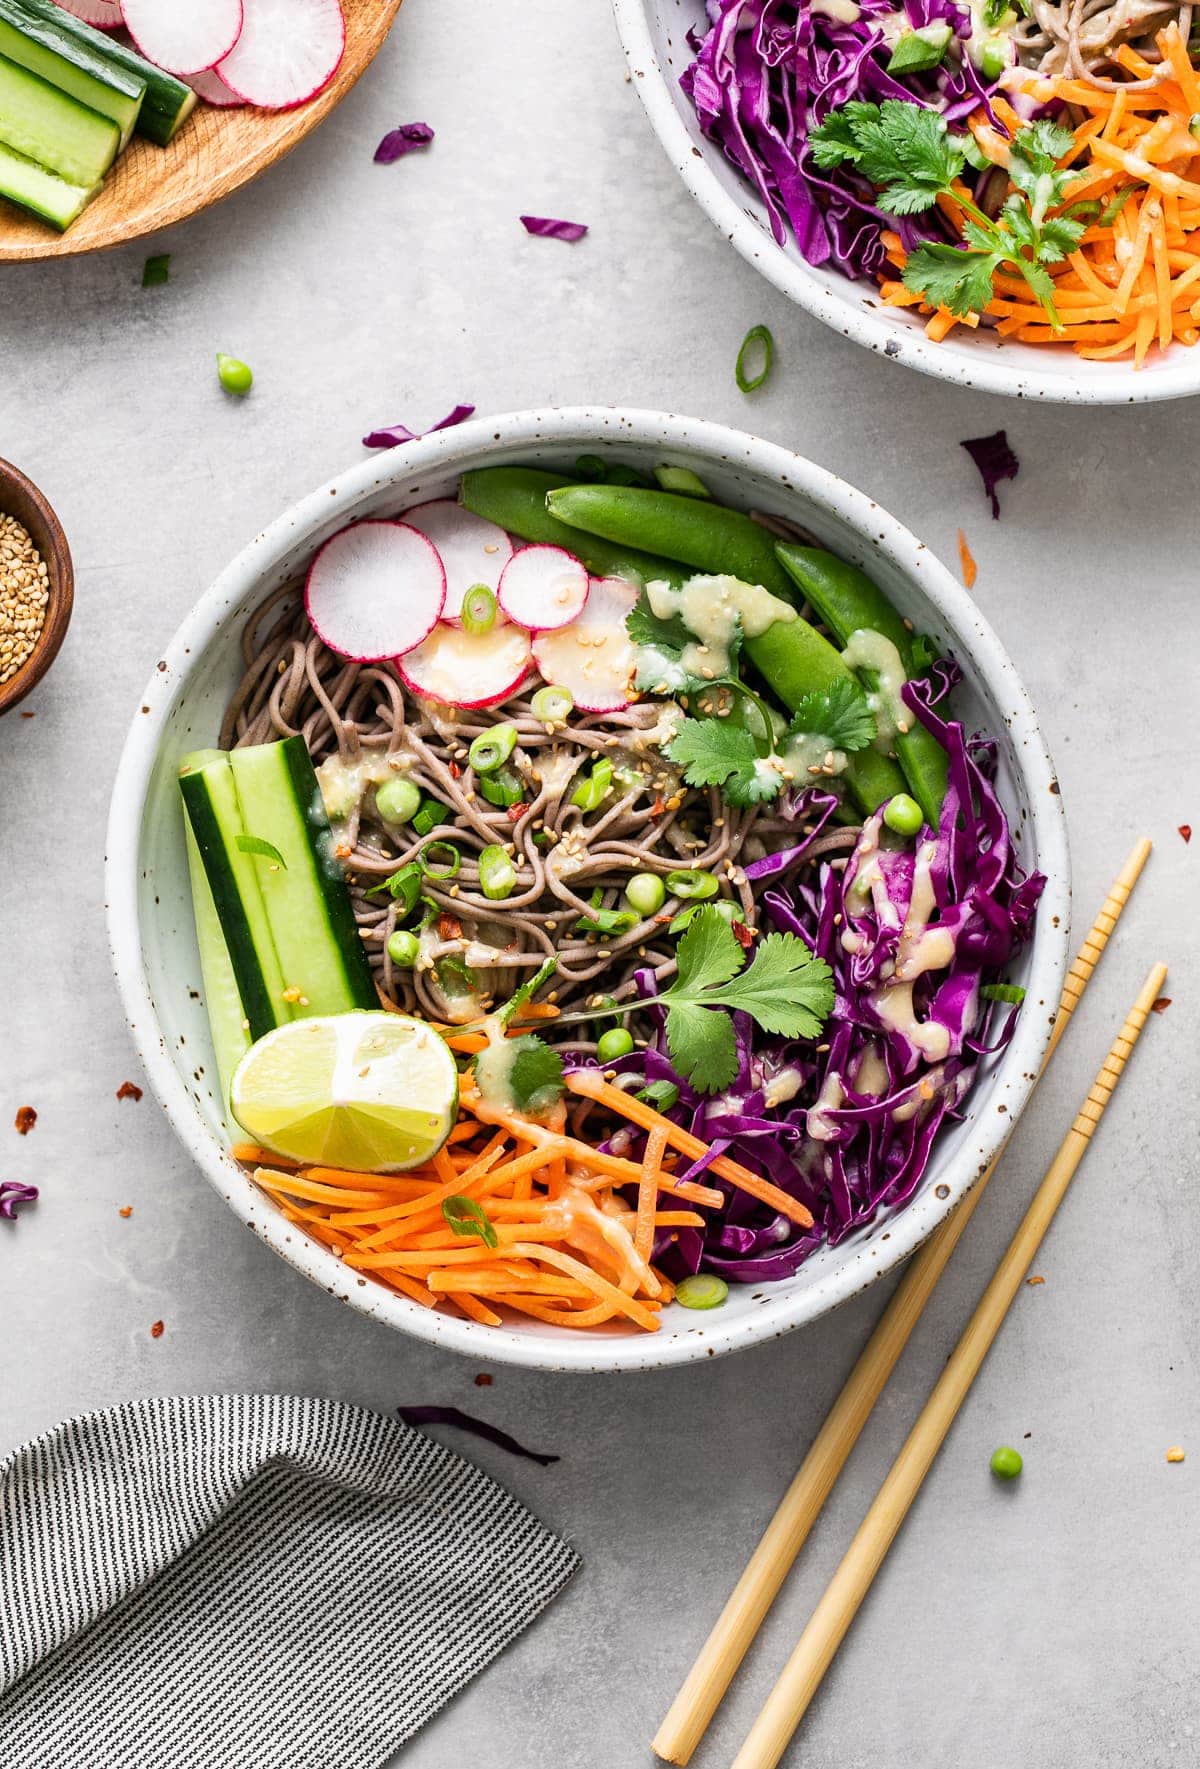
(70, 99)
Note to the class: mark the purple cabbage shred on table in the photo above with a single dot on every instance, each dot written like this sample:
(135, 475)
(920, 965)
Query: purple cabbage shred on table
(996, 461)
(395, 435)
(13, 1193)
(402, 140)
(545, 227)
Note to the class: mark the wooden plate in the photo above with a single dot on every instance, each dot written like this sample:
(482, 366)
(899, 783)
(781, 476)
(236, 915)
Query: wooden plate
(214, 153)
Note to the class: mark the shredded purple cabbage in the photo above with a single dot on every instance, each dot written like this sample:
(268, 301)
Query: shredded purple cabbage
(461, 1421)
(12, 1193)
(995, 460)
(402, 140)
(394, 435)
(847, 1126)
(770, 69)
(547, 229)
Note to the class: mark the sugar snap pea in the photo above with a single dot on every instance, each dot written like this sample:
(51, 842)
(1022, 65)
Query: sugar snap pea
(791, 656)
(516, 499)
(847, 601)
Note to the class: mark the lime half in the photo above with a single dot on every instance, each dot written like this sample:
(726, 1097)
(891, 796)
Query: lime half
(375, 1092)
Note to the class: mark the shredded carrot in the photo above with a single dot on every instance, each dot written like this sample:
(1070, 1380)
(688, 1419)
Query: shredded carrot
(970, 571)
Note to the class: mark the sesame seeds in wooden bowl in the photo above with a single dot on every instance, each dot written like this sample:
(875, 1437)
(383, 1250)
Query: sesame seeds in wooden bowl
(37, 586)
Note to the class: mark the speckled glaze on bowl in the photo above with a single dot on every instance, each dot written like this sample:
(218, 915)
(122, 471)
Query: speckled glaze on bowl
(149, 904)
(653, 33)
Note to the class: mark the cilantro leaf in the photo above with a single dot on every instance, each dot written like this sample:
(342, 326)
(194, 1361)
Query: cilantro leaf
(644, 627)
(785, 989)
(904, 149)
(952, 278)
(840, 713)
(660, 646)
(255, 844)
(526, 992)
(716, 752)
(535, 1074)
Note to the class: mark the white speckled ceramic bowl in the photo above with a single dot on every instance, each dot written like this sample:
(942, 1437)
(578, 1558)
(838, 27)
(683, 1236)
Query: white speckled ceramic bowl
(149, 904)
(653, 33)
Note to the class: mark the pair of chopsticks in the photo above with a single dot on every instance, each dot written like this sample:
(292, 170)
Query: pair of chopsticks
(738, 1623)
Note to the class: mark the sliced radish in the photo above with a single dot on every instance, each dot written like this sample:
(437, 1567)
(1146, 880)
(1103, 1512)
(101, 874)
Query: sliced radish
(183, 39)
(375, 590)
(473, 550)
(209, 86)
(467, 669)
(104, 14)
(543, 588)
(594, 657)
(289, 50)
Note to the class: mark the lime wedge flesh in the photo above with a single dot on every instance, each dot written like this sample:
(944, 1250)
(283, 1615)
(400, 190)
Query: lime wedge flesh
(373, 1092)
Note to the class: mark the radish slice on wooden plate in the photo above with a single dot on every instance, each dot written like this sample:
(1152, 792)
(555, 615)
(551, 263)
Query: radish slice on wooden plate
(374, 590)
(183, 39)
(105, 14)
(289, 50)
(473, 550)
(210, 87)
(543, 588)
(460, 668)
(594, 657)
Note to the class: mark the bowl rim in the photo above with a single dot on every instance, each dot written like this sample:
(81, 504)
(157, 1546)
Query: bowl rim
(578, 426)
(981, 370)
(60, 578)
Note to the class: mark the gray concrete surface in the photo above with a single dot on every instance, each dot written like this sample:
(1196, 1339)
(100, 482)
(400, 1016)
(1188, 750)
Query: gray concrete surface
(1051, 1622)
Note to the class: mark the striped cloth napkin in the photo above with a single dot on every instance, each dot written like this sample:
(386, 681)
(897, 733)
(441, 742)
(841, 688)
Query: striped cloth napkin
(249, 1582)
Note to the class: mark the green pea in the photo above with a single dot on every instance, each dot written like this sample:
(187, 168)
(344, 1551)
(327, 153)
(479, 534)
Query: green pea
(692, 886)
(702, 1290)
(903, 815)
(646, 893)
(1006, 1462)
(403, 948)
(614, 1043)
(397, 801)
(234, 376)
(492, 748)
(497, 873)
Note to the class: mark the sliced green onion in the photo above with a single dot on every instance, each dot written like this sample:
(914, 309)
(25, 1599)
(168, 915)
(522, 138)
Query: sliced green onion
(613, 1044)
(429, 816)
(757, 338)
(404, 885)
(156, 271)
(646, 893)
(397, 801)
(1111, 210)
(492, 748)
(903, 815)
(552, 705)
(403, 948)
(502, 788)
(590, 467)
(730, 911)
(693, 887)
(607, 921)
(993, 58)
(447, 868)
(682, 480)
(702, 1290)
(497, 874)
(478, 613)
(662, 1095)
(921, 49)
(464, 1216)
(1010, 992)
(592, 791)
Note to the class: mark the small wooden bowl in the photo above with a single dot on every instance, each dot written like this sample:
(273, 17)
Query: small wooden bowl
(214, 153)
(21, 498)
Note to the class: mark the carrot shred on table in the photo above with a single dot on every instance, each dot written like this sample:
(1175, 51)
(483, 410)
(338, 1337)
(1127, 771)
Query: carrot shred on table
(970, 571)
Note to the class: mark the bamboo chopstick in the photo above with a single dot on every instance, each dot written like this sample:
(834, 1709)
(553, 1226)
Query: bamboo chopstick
(710, 1676)
(785, 1706)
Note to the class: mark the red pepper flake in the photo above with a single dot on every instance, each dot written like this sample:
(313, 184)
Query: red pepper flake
(1161, 1005)
(517, 811)
(454, 771)
(483, 1380)
(25, 1120)
(343, 851)
(970, 571)
(742, 935)
(1032, 1281)
(449, 927)
(659, 806)
(1185, 830)
(157, 1329)
(126, 1210)
(29, 715)
(128, 1090)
